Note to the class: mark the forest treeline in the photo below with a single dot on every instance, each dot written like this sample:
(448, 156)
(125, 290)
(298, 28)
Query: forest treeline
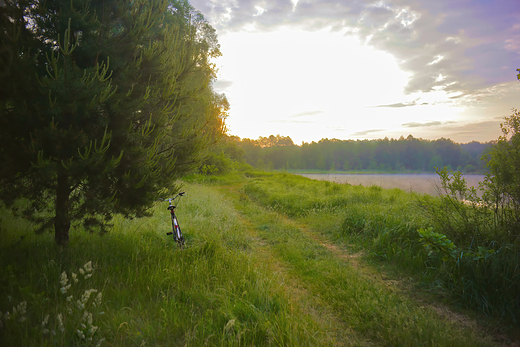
(403, 154)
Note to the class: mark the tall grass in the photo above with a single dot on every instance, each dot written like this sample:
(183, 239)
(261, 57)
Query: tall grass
(385, 224)
(385, 221)
(367, 307)
(214, 292)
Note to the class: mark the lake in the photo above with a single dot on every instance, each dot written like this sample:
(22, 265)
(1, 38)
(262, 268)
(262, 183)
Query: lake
(420, 183)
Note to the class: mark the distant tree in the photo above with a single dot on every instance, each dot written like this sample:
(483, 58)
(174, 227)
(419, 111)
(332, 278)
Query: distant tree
(103, 104)
(448, 150)
(260, 164)
(320, 164)
(251, 150)
(469, 168)
(277, 140)
(384, 154)
(475, 148)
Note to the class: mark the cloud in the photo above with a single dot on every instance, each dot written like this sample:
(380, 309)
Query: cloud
(307, 113)
(418, 125)
(366, 132)
(290, 121)
(478, 41)
(221, 85)
(474, 131)
(400, 104)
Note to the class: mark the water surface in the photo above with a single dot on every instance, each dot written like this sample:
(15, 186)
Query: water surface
(420, 183)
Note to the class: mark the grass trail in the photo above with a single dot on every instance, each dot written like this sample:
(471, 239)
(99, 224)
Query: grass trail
(249, 276)
(329, 283)
(254, 219)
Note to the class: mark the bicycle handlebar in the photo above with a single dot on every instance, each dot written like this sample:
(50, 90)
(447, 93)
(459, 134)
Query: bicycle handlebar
(171, 199)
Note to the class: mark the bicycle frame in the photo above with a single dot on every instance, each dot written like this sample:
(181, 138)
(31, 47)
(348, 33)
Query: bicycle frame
(176, 229)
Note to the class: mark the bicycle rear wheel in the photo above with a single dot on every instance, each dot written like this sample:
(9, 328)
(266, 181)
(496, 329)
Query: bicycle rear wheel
(178, 233)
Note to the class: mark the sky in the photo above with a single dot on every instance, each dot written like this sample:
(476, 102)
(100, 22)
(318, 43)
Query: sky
(355, 69)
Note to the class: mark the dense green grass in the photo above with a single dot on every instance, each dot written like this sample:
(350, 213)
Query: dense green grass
(385, 224)
(214, 292)
(256, 271)
(367, 307)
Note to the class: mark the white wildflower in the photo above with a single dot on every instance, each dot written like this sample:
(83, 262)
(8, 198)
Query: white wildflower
(99, 342)
(64, 289)
(87, 276)
(86, 295)
(69, 298)
(63, 279)
(93, 330)
(75, 277)
(22, 307)
(81, 335)
(45, 321)
(80, 305)
(20, 310)
(97, 301)
(60, 323)
(88, 266)
(45, 331)
(89, 319)
(81, 271)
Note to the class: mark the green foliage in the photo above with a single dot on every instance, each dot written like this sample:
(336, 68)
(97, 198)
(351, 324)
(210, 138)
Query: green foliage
(224, 157)
(502, 184)
(461, 212)
(484, 224)
(433, 241)
(481, 222)
(403, 154)
(98, 113)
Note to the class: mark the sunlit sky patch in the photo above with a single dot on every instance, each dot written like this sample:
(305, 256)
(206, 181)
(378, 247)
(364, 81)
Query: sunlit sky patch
(313, 69)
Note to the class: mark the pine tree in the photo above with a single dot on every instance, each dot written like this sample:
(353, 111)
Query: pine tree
(103, 104)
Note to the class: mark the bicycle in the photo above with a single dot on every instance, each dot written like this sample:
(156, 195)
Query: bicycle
(177, 233)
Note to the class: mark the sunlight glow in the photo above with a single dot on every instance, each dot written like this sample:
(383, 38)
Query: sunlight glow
(314, 85)
(437, 59)
(295, 3)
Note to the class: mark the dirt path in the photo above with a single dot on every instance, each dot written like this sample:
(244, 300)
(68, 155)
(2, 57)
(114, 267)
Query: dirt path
(338, 333)
(265, 226)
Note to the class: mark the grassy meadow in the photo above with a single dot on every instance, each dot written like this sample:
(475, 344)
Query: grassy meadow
(270, 260)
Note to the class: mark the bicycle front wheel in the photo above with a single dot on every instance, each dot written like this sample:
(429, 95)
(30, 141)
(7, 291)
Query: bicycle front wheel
(178, 233)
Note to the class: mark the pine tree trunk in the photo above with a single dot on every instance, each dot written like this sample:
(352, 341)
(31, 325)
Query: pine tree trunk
(62, 219)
